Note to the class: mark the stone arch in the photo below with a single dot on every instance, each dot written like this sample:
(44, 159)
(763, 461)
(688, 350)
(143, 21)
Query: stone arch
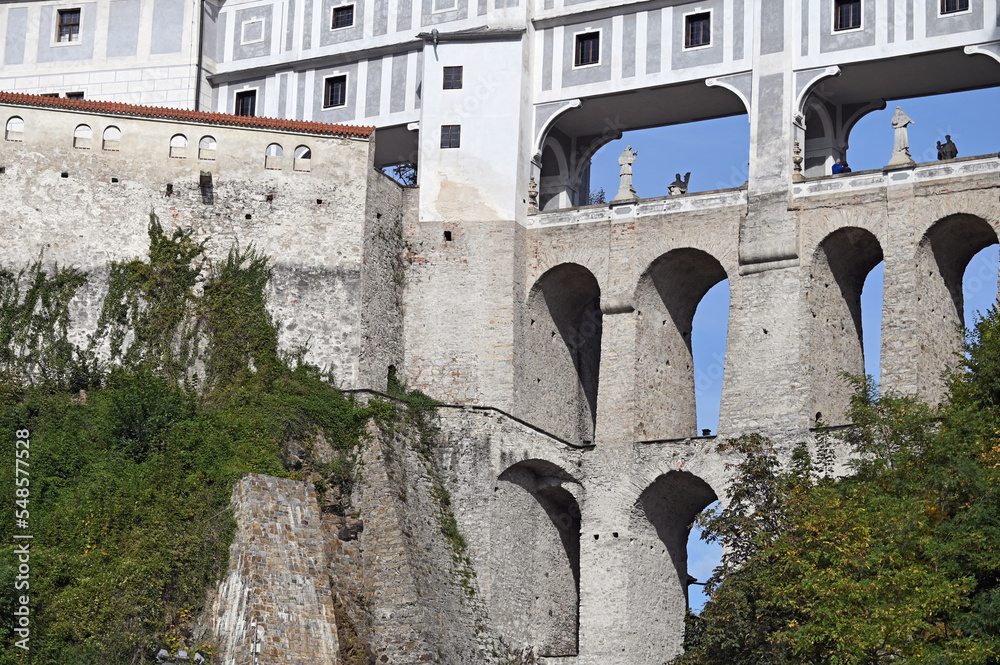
(82, 136)
(273, 155)
(178, 146)
(840, 264)
(554, 187)
(666, 298)
(656, 564)
(942, 256)
(112, 139)
(303, 158)
(207, 148)
(535, 557)
(821, 146)
(559, 365)
(14, 130)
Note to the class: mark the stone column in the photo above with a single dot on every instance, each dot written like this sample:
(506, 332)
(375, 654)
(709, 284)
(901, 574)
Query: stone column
(616, 392)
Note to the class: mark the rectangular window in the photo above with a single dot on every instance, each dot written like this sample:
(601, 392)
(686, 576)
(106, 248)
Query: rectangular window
(69, 25)
(847, 14)
(246, 103)
(952, 6)
(335, 91)
(588, 49)
(452, 78)
(451, 136)
(697, 30)
(343, 17)
(74, 95)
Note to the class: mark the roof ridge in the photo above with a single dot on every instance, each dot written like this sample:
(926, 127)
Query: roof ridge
(121, 108)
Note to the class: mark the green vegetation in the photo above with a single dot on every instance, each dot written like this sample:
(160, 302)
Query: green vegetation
(130, 480)
(899, 562)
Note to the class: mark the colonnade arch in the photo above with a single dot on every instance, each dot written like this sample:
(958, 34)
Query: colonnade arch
(535, 553)
(657, 585)
(558, 370)
(840, 264)
(942, 255)
(667, 297)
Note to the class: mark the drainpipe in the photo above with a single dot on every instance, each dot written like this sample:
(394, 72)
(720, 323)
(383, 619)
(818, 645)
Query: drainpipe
(201, 54)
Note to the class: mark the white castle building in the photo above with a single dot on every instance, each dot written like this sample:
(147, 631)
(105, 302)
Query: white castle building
(485, 94)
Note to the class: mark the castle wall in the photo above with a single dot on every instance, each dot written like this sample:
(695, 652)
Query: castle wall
(332, 250)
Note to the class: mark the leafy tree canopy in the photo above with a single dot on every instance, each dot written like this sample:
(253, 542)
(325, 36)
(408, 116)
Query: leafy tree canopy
(897, 563)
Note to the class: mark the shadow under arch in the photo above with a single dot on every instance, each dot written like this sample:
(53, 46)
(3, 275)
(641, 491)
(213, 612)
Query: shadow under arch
(657, 585)
(942, 256)
(840, 264)
(666, 298)
(535, 557)
(559, 364)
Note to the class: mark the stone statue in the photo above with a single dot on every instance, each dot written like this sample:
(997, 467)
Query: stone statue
(625, 189)
(901, 139)
(948, 150)
(679, 186)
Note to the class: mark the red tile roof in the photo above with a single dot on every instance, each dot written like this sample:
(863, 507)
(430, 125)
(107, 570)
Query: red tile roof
(118, 108)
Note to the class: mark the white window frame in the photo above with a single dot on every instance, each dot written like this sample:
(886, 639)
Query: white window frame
(243, 31)
(833, 19)
(354, 15)
(711, 29)
(960, 12)
(256, 92)
(347, 87)
(435, 10)
(600, 46)
(55, 27)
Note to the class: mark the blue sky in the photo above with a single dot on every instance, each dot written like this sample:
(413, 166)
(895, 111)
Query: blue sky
(716, 154)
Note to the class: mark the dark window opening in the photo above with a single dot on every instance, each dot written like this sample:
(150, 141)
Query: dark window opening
(246, 103)
(451, 136)
(69, 25)
(950, 6)
(452, 78)
(335, 91)
(447, 236)
(588, 49)
(698, 30)
(847, 14)
(74, 95)
(343, 17)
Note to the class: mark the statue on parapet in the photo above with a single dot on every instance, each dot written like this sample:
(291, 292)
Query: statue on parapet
(901, 139)
(625, 189)
(679, 186)
(947, 150)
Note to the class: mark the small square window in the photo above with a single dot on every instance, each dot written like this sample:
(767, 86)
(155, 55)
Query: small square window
(246, 103)
(452, 78)
(343, 17)
(952, 6)
(69, 25)
(335, 91)
(847, 14)
(697, 30)
(451, 136)
(588, 49)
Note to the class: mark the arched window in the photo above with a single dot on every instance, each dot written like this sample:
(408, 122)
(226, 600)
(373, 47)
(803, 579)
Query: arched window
(82, 136)
(178, 146)
(303, 158)
(112, 139)
(272, 157)
(15, 129)
(206, 148)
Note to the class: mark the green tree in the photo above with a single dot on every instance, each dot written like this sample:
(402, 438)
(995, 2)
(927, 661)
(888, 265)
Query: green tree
(898, 562)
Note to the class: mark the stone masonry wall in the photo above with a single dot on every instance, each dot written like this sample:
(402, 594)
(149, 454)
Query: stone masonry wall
(314, 225)
(276, 576)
